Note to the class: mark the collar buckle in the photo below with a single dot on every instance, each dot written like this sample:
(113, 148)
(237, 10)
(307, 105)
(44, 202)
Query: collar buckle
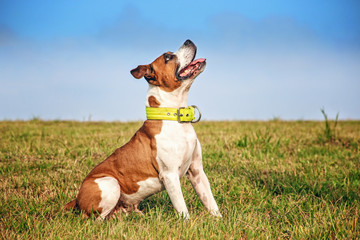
(179, 115)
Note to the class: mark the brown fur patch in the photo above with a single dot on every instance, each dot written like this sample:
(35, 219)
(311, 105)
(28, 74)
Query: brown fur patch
(130, 164)
(153, 102)
(192, 171)
(133, 162)
(89, 197)
(165, 73)
(160, 73)
(70, 205)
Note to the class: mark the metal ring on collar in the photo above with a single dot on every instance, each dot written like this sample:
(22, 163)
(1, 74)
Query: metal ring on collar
(197, 120)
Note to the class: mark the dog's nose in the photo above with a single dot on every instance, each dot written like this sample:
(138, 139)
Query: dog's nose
(188, 42)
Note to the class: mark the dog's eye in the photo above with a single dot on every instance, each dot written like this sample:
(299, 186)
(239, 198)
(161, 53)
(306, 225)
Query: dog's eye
(168, 57)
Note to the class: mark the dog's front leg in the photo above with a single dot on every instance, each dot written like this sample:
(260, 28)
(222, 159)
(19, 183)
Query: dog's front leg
(200, 182)
(172, 185)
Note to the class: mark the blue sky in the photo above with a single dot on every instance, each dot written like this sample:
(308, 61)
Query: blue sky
(265, 59)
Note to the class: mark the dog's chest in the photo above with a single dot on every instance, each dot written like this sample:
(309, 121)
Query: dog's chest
(175, 146)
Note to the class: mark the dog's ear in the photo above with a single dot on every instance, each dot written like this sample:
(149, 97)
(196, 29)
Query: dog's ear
(146, 72)
(140, 71)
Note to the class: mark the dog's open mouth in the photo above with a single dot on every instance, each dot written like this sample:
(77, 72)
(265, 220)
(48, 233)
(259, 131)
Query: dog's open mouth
(194, 68)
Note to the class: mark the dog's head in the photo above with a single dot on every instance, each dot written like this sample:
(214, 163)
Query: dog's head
(171, 70)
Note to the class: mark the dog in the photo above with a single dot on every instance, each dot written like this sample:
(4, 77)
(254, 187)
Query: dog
(163, 150)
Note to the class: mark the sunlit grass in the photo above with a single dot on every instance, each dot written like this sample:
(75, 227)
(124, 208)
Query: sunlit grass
(271, 179)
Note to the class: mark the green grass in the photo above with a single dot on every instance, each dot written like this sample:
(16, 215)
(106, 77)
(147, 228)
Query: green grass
(275, 179)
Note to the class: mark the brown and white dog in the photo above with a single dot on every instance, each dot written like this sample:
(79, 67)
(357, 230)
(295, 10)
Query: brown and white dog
(159, 153)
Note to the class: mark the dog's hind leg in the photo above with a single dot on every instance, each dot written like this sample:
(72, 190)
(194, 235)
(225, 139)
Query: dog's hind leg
(110, 195)
(99, 196)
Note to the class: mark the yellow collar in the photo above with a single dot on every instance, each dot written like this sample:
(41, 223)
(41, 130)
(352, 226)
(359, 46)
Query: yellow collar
(181, 114)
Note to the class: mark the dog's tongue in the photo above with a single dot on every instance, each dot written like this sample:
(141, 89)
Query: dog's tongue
(192, 66)
(200, 60)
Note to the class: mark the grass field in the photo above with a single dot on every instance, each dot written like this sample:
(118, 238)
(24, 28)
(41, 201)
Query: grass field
(274, 179)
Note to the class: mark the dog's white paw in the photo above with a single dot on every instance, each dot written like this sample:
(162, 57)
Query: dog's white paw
(216, 213)
(184, 215)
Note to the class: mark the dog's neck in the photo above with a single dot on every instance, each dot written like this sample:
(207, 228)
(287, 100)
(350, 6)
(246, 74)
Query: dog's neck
(175, 99)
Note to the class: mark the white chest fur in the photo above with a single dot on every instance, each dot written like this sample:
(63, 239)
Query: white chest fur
(175, 146)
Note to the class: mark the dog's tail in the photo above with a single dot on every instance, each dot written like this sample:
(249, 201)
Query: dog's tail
(70, 205)
(73, 206)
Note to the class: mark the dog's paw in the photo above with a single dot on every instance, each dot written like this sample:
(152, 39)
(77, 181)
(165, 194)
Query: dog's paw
(184, 215)
(216, 213)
